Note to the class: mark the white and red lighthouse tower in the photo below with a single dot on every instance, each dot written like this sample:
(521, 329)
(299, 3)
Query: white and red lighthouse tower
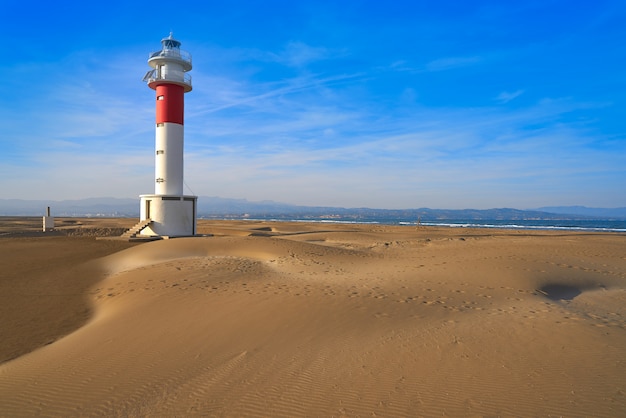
(168, 212)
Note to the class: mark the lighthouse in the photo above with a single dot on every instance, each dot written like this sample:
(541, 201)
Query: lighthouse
(168, 212)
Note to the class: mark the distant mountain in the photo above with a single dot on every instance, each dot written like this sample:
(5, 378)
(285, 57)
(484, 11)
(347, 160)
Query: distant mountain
(216, 207)
(211, 206)
(384, 215)
(100, 206)
(128, 207)
(602, 213)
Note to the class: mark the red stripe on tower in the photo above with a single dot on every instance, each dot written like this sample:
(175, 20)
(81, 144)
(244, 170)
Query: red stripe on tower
(170, 104)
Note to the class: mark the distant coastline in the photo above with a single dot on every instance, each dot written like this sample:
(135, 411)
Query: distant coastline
(586, 225)
(555, 218)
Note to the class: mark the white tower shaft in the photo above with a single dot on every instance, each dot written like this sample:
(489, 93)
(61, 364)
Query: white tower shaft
(169, 140)
(169, 159)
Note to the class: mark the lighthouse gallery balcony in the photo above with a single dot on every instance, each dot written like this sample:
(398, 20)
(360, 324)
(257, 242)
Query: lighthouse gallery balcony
(171, 54)
(159, 60)
(154, 76)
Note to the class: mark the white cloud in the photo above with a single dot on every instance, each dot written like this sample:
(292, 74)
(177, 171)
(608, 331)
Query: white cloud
(448, 63)
(506, 96)
(298, 54)
(318, 139)
(287, 154)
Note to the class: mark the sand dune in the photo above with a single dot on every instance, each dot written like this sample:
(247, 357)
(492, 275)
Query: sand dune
(283, 319)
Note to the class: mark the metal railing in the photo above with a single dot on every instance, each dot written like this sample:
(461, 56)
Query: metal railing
(172, 53)
(153, 76)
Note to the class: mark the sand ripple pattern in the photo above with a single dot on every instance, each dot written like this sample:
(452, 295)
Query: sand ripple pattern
(303, 322)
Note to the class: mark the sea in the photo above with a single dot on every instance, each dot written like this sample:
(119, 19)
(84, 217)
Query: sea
(586, 225)
(566, 225)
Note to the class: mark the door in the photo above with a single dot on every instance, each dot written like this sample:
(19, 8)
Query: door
(148, 209)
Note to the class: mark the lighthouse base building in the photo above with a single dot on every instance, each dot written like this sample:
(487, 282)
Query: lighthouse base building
(169, 215)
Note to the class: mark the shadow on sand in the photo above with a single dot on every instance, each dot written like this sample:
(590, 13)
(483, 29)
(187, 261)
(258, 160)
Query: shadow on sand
(558, 292)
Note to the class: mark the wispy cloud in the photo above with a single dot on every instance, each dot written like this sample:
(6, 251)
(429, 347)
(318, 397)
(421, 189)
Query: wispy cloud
(298, 54)
(506, 96)
(447, 63)
(307, 139)
(436, 65)
(314, 116)
(244, 95)
(335, 145)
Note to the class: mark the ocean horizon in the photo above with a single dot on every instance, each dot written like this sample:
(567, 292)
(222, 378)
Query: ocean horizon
(586, 225)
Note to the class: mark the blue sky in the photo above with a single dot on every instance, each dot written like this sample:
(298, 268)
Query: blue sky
(399, 104)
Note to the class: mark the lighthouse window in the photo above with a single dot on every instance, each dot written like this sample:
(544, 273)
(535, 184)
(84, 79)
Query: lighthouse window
(160, 124)
(160, 97)
(160, 151)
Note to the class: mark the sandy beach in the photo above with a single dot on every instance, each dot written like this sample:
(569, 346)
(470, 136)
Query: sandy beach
(310, 319)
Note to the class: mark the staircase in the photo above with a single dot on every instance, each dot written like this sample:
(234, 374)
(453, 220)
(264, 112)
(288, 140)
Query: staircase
(135, 230)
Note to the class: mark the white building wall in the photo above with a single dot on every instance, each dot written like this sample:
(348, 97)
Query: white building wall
(171, 215)
(48, 223)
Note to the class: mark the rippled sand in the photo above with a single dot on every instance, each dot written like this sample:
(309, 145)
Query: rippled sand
(295, 319)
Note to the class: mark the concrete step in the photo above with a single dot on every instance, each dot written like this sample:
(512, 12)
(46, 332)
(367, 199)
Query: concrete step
(135, 230)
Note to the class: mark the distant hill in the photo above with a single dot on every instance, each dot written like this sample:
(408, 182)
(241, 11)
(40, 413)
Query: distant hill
(100, 206)
(602, 213)
(216, 207)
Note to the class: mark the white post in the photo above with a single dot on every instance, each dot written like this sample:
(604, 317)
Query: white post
(48, 221)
